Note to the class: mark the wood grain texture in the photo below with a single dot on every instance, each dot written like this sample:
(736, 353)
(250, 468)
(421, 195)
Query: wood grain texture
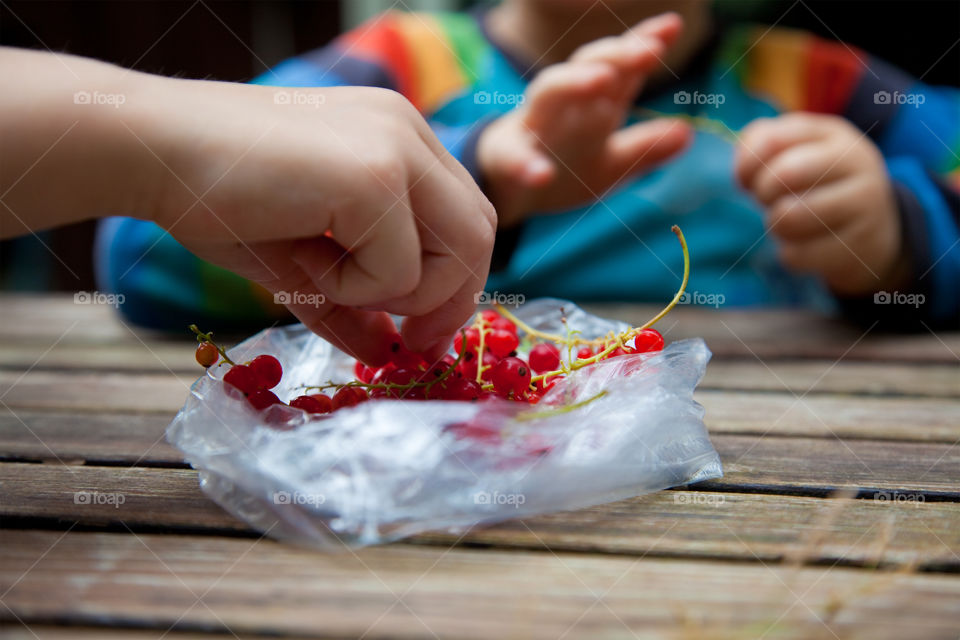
(45, 319)
(414, 591)
(724, 372)
(770, 462)
(728, 411)
(72, 436)
(674, 523)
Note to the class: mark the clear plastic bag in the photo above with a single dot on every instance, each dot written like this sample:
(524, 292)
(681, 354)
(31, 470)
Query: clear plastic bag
(387, 469)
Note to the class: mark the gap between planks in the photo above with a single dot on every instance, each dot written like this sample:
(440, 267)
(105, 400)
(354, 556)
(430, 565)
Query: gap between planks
(713, 524)
(261, 586)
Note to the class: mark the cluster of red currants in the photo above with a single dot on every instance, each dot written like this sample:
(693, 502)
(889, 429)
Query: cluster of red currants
(487, 365)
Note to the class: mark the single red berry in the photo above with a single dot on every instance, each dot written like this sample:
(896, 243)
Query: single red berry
(511, 376)
(348, 397)
(489, 316)
(544, 357)
(501, 343)
(460, 389)
(473, 341)
(310, 404)
(243, 378)
(468, 367)
(401, 356)
(504, 325)
(362, 372)
(207, 354)
(584, 353)
(648, 340)
(404, 377)
(326, 404)
(268, 370)
(440, 367)
(263, 398)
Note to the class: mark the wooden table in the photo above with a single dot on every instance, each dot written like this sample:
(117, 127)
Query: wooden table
(838, 516)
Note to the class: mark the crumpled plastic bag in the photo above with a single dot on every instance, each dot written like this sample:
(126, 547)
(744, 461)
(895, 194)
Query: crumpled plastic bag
(387, 469)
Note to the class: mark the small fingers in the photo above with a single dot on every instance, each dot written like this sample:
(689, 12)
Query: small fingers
(764, 138)
(641, 146)
(794, 170)
(821, 211)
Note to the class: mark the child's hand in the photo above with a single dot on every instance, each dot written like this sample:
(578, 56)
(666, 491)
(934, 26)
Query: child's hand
(564, 145)
(828, 198)
(346, 197)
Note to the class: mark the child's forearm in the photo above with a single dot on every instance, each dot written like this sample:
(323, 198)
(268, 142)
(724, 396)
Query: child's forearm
(70, 147)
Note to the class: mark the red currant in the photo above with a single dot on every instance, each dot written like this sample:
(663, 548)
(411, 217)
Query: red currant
(489, 316)
(243, 378)
(511, 376)
(648, 340)
(584, 353)
(401, 356)
(501, 343)
(473, 341)
(348, 397)
(268, 370)
(504, 325)
(207, 354)
(362, 372)
(326, 404)
(460, 389)
(404, 377)
(263, 398)
(310, 404)
(544, 357)
(442, 366)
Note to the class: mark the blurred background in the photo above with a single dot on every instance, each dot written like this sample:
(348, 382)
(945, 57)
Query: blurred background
(237, 40)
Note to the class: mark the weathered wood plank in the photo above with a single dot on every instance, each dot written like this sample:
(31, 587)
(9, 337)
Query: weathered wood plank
(791, 463)
(48, 318)
(829, 415)
(674, 523)
(96, 392)
(770, 334)
(728, 411)
(415, 591)
(15, 631)
(151, 356)
(802, 464)
(796, 376)
(823, 376)
(118, 437)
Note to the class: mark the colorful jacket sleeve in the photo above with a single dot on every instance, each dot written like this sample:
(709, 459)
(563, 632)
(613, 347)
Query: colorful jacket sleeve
(424, 57)
(915, 126)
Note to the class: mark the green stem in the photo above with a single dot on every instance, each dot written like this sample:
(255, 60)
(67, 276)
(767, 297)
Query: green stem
(536, 415)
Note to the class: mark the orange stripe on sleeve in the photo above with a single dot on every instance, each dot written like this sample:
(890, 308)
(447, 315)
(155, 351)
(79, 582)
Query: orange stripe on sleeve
(436, 71)
(777, 65)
